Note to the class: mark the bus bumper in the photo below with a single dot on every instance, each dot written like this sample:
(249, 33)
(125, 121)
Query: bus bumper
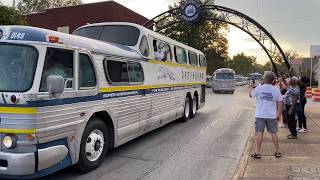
(22, 164)
(17, 164)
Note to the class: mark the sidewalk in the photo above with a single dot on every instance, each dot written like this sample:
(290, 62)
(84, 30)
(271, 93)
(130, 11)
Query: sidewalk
(300, 158)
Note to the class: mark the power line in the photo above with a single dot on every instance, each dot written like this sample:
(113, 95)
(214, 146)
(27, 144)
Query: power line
(258, 10)
(292, 19)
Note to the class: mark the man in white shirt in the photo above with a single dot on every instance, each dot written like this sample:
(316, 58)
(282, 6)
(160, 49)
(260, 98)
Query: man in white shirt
(268, 110)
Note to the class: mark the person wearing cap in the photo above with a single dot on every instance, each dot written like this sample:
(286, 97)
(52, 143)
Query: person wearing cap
(268, 112)
(291, 98)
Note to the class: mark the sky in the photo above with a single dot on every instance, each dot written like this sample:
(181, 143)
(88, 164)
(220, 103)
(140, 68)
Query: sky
(293, 23)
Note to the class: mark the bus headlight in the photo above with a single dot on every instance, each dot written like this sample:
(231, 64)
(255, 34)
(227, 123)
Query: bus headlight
(10, 141)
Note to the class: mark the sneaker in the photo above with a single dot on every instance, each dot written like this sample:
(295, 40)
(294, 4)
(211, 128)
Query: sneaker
(303, 130)
(298, 129)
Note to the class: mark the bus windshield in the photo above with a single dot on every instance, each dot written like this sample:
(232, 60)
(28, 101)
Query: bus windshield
(255, 77)
(17, 67)
(224, 76)
(119, 34)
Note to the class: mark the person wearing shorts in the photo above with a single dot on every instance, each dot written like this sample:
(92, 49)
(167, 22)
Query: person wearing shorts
(269, 104)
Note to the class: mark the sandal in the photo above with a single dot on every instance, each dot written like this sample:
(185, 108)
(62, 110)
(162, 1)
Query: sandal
(277, 155)
(256, 156)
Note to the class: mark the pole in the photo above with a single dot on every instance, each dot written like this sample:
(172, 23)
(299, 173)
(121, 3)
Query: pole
(318, 71)
(311, 58)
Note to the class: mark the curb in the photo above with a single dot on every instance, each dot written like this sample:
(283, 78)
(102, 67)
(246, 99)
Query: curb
(242, 164)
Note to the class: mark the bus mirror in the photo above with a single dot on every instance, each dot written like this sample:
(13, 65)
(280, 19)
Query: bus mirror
(55, 84)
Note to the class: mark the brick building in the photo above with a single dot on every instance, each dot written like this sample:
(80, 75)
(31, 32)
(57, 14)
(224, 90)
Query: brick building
(67, 19)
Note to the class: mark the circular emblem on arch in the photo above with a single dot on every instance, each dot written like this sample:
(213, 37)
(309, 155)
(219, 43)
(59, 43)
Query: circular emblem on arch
(191, 11)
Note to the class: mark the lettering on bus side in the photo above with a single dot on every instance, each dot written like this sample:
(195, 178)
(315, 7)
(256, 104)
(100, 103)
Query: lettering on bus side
(120, 94)
(164, 73)
(192, 75)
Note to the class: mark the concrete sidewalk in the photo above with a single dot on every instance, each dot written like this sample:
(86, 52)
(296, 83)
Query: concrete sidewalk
(300, 157)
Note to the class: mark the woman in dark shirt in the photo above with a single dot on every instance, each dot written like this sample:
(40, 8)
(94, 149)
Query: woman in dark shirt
(301, 116)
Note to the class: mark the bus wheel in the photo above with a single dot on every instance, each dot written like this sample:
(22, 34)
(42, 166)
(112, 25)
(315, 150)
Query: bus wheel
(194, 107)
(187, 110)
(93, 147)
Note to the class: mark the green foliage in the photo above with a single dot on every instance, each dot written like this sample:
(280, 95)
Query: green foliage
(208, 37)
(280, 64)
(34, 6)
(9, 16)
(245, 65)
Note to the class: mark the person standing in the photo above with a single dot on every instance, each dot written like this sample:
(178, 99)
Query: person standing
(290, 100)
(303, 101)
(268, 112)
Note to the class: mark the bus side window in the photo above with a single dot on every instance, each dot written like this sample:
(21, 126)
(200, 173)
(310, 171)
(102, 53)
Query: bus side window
(203, 62)
(162, 50)
(58, 62)
(180, 55)
(116, 72)
(135, 73)
(156, 54)
(87, 76)
(193, 60)
(144, 47)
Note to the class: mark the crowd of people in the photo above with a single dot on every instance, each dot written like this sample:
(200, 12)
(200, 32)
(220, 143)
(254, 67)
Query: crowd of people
(293, 91)
(279, 100)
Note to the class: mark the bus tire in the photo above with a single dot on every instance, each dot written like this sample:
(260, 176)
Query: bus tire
(93, 147)
(186, 110)
(194, 107)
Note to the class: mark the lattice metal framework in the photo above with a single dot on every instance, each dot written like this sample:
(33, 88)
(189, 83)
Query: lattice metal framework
(232, 17)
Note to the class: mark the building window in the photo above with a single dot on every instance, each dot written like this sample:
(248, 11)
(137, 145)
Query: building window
(64, 29)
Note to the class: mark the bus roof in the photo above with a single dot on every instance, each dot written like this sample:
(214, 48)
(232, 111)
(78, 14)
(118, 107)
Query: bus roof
(255, 74)
(224, 70)
(146, 32)
(25, 34)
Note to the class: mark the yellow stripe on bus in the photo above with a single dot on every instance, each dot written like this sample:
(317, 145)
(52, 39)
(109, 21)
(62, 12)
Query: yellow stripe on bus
(142, 87)
(176, 64)
(18, 110)
(18, 131)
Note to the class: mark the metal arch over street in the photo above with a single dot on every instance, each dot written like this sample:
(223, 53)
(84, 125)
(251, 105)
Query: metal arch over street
(235, 18)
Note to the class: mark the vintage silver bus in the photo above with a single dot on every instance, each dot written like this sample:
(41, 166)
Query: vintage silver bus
(255, 79)
(67, 100)
(223, 80)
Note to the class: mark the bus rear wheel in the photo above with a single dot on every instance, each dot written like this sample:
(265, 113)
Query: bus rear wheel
(187, 110)
(194, 107)
(93, 147)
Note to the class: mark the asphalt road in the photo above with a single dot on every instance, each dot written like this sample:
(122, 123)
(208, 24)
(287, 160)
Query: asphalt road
(206, 147)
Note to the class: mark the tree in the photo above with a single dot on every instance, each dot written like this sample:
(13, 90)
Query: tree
(208, 37)
(34, 6)
(279, 62)
(243, 64)
(9, 16)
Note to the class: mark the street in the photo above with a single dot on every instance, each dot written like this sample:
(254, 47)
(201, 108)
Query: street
(206, 147)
